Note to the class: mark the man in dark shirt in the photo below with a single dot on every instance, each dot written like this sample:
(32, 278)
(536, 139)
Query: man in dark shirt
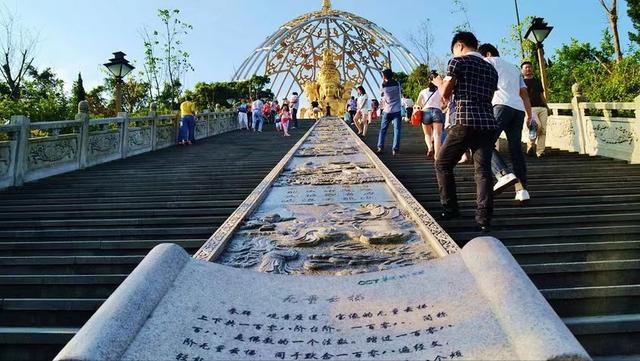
(471, 81)
(538, 108)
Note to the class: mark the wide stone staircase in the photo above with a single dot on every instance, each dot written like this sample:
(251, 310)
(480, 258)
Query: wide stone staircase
(68, 241)
(578, 239)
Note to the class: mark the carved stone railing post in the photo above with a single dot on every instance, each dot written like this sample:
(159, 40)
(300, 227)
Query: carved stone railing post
(22, 148)
(124, 150)
(578, 118)
(83, 116)
(176, 125)
(153, 113)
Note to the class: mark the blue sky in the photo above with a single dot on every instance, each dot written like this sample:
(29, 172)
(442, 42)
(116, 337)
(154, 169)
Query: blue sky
(80, 35)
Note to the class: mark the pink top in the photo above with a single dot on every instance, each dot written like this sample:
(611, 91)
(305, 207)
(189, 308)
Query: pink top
(285, 115)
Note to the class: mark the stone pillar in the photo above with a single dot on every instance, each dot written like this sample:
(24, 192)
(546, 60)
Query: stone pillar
(22, 147)
(207, 116)
(124, 144)
(580, 136)
(83, 116)
(637, 101)
(176, 126)
(153, 114)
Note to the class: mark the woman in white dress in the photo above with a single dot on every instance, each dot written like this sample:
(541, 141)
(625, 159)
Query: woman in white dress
(361, 119)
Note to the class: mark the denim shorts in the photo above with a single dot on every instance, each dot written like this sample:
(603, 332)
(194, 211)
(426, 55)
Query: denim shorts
(432, 115)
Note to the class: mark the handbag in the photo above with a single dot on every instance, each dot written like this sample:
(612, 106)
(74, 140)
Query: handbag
(416, 118)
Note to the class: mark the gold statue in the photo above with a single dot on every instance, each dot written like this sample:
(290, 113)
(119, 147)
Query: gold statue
(328, 89)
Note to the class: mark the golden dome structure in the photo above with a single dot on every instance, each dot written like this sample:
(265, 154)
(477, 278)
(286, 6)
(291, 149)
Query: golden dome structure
(327, 50)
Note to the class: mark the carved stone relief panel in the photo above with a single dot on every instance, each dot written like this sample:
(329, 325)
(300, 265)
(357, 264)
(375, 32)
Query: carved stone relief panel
(50, 152)
(165, 135)
(201, 128)
(613, 134)
(139, 138)
(104, 144)
(329, 239)
(5, 159)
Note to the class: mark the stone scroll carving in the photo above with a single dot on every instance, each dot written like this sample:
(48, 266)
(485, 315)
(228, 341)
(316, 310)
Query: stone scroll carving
(50, 152)
(104, 144)
(330, 211)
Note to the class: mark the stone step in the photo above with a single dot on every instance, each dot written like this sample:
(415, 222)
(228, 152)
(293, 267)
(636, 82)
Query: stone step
(112, 232)
(621, 232)
(511, 223)
(68, 265)
(126, 197)
(89, 248)
(59, 286)
(592, 301)
(118, 213)
(47, 312)
(617, 358)
(176, 203)
(432, 203)
(33, 343)
(584, 274)
(575, 252)
(52, 224)
(607, 335)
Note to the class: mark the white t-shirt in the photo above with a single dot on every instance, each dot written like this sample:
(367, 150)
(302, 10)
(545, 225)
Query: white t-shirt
(509, 84)
(293, 103)
(407, 103)
(434, 101)
(363, 102)
(257, 105)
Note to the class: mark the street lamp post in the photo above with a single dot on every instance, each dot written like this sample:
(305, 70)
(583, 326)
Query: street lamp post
(119, 67)
(538, 31)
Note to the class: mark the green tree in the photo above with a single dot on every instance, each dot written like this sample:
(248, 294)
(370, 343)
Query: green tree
(633, 11)
(515, 44)
(43, 96)
(97, 102)
(78, 94)
(77, 90)
(135, 95)
(166, 61)
(602, 78)
(413, 83)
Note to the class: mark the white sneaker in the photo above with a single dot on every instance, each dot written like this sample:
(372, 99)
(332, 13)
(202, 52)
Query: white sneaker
(522, 196)
(504, 182)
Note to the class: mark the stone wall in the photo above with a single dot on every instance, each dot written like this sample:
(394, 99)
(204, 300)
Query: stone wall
(75, 144)
(606, 129)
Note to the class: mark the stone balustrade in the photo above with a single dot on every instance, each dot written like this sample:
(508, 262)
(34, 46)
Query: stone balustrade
(64, 146)
(606, 129)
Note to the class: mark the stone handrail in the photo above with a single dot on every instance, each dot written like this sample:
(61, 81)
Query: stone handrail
(575, 127)
(75, 144)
